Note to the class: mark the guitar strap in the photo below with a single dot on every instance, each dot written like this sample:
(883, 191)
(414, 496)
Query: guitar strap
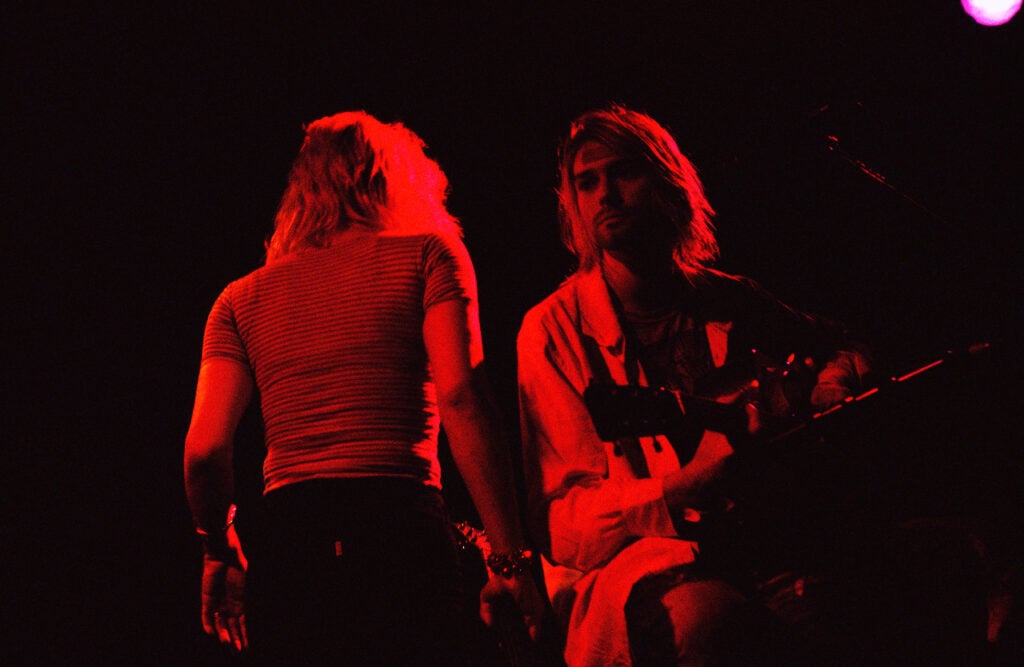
(634, 453)
(628, 446)
(690, 358)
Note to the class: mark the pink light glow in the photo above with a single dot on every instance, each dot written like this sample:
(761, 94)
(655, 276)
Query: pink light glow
(991, 12)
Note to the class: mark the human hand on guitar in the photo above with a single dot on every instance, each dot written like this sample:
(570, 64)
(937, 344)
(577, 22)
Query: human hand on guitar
(826, 394)
(780, 393)
(693, 485)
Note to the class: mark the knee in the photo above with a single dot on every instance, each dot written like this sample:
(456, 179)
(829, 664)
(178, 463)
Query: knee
(708, 619)
(694, 623)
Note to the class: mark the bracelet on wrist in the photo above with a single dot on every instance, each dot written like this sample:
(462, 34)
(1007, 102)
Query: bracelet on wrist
(207, 535)
(508, 565)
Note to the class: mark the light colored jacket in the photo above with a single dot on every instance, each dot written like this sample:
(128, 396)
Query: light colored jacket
(607, 525)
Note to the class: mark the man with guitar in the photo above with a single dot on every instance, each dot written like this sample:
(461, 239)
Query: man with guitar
(623, 521)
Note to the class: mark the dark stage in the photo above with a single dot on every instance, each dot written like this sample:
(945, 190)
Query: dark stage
(864, 159)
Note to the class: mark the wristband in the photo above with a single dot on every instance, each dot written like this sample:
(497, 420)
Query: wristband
(217, 542)
(510, 564)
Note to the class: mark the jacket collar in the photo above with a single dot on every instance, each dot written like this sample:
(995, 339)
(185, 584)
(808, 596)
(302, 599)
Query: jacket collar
(598, 318)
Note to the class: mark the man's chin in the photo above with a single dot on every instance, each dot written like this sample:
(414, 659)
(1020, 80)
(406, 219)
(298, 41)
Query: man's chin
(619, 234)
(640, 254)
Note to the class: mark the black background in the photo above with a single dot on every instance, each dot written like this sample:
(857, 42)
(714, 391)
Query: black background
(147, 148)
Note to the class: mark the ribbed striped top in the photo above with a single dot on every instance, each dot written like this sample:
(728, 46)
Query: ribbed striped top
(334, 338)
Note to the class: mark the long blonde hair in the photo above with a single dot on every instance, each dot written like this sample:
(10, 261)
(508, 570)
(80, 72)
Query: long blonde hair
(680, 194)
(353, 169)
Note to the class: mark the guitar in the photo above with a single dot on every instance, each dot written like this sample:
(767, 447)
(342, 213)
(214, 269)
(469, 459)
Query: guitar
(780, 389)
(790, 497)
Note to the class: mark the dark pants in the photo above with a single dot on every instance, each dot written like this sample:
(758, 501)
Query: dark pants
(360, 572)
(913, 595)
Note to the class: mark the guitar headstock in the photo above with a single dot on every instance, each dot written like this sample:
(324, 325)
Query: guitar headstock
(468, 536)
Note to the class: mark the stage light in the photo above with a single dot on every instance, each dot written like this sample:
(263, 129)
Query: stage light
(991, 12)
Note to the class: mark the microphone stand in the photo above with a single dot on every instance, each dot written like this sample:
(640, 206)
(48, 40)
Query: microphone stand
(834, 147)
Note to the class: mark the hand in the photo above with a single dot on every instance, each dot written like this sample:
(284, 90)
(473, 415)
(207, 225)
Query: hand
(223, 594)
(826, 394)
(694, 485)
(712, 454)
(519, 589)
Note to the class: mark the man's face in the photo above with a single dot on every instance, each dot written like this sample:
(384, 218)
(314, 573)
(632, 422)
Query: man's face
(615, 198)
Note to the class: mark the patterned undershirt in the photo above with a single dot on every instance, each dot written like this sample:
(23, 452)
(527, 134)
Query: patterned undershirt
(673, 350)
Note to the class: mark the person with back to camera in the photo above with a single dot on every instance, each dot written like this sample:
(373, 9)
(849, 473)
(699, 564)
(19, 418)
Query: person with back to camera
(361, 337)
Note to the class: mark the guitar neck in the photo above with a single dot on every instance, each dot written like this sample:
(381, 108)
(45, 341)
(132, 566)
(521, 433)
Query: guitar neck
(516, 646)
(620, 411)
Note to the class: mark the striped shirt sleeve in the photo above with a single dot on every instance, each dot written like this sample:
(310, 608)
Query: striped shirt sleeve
(448, 271)
(221, 338)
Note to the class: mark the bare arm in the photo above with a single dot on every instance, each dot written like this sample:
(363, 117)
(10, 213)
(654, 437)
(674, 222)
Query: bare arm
(451, 333)
(224, 390)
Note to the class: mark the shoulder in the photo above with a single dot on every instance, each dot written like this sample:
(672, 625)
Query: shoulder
(560, 306)
(255, 281)
(723, 295)
(578, 309)
(435, 242)
(439, 247)
(232, 305)
(712, 280)
(238, 288)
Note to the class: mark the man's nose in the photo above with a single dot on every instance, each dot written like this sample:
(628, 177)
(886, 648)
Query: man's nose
(610, 194)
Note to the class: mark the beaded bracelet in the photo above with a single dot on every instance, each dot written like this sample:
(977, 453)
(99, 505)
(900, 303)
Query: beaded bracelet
(510, 564)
